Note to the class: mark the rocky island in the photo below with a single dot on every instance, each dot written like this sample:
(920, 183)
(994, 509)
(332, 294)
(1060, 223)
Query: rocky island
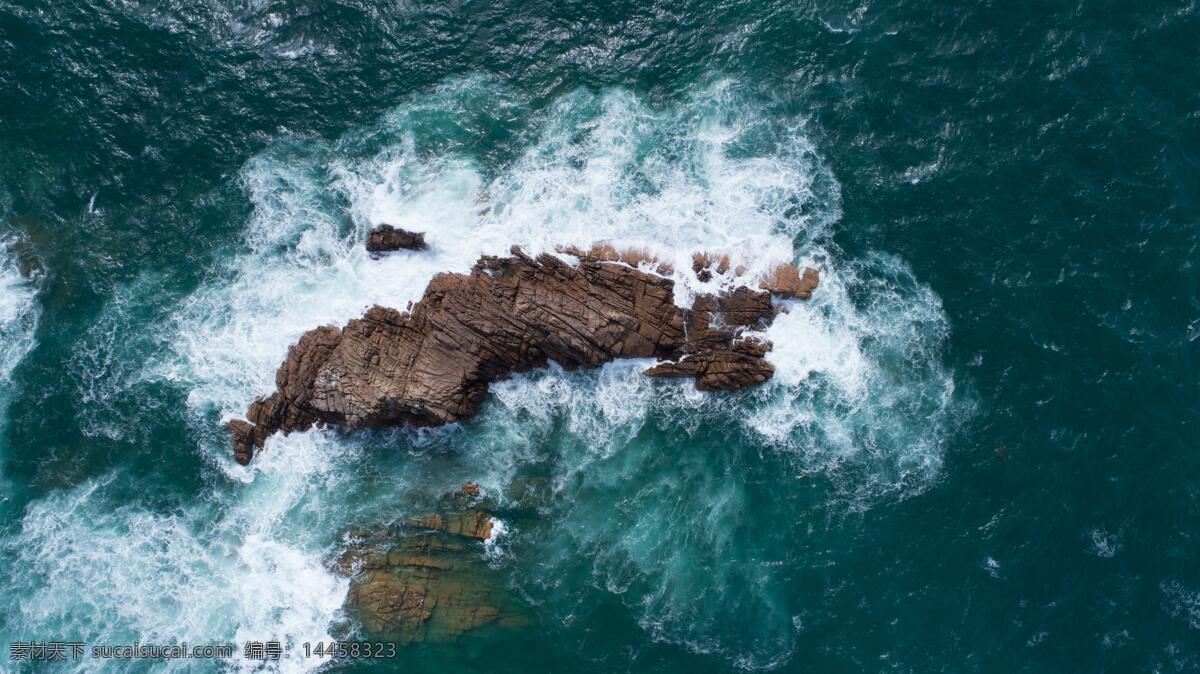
(432, 364)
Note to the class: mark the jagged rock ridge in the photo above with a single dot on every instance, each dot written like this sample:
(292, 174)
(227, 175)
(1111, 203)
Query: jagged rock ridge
(432, 364)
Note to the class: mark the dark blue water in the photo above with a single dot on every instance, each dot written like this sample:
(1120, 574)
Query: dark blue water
(979, 452)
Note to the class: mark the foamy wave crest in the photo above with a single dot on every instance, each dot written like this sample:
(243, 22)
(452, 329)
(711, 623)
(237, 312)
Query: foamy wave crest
(859, 398)
(859, 392)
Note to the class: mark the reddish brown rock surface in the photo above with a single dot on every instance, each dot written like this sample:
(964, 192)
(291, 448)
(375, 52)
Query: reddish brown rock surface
(714, 354)
(432, 365)
(787, 281)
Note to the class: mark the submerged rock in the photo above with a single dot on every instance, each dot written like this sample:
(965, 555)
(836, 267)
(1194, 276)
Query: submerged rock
(470, 524)
(432, 365)
(425, 579)
(386, 238)
(470, 489)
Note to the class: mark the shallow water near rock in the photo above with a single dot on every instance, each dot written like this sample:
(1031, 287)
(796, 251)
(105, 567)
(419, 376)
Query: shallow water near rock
(977, 451)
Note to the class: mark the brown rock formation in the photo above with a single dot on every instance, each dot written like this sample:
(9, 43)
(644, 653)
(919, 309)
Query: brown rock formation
(386, 238)
(632, 256)
(423, 580)
(714, 354)
(786, 281)
(470, 524)
(705, 264)
(432, 365)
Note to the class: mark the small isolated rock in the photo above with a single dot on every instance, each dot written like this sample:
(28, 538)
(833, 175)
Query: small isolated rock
(386, 238)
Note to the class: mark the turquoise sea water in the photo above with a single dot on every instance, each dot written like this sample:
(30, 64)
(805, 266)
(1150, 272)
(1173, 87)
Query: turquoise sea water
(980, 449)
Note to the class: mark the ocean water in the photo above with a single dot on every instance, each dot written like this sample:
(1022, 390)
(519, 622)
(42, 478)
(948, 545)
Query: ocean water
(979, 451)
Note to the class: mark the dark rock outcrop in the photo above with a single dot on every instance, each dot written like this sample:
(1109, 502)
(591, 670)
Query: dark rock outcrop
(386, 238)
(432, 364)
